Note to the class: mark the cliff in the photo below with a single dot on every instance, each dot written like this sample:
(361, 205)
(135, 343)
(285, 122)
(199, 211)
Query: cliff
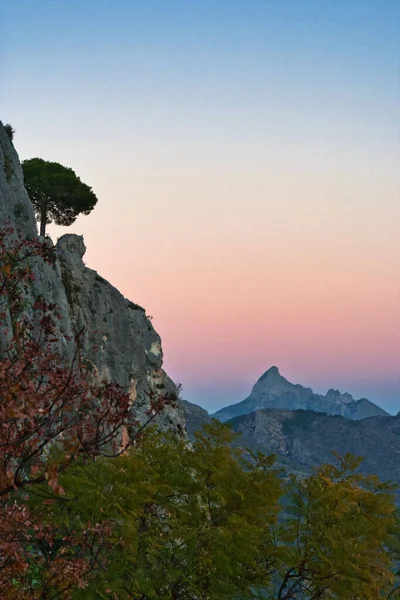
(119, 341)
(195, 417)
(274, 391)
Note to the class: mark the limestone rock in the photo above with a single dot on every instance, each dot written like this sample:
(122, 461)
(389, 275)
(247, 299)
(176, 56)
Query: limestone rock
(117, 338)
(195, 417)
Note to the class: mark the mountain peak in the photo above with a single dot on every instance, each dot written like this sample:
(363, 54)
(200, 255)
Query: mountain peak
(272, 372)
(272, 390)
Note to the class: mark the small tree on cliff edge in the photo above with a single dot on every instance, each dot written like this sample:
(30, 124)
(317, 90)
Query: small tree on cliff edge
(56, 192)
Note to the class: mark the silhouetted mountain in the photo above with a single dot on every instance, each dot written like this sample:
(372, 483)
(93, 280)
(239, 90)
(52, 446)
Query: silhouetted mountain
(274, 391)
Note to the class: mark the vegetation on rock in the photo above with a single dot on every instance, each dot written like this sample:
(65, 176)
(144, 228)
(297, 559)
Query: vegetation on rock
(10, 131)
(8, 168)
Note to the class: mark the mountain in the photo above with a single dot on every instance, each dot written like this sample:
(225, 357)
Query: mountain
(195, 417)
(302, 439)
(307, 438)
(119, 342)
(274, 391)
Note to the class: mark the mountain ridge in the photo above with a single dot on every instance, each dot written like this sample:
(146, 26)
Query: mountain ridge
(272, 390)
(304, 439)
(309, 438)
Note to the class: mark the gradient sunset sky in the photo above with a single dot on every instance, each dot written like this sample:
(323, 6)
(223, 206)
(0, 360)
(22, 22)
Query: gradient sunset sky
(245, 154)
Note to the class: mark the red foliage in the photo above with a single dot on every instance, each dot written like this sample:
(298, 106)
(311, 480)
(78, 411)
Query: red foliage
(43, 403)
(49, 415)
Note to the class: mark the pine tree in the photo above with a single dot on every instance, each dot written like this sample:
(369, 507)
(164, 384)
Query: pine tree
(56, 192)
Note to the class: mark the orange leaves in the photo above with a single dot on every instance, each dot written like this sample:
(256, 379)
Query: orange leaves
(5, 271)
(51, 476)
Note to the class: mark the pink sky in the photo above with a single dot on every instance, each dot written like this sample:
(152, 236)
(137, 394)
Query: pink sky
(244, 270)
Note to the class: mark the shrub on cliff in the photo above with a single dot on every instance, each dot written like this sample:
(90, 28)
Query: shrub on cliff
(10, 131)
(56, 192)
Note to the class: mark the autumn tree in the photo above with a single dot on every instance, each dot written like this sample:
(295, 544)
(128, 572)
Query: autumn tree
(51, 415)
(56, 192)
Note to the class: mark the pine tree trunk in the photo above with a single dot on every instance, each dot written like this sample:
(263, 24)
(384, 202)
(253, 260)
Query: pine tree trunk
(43, 219)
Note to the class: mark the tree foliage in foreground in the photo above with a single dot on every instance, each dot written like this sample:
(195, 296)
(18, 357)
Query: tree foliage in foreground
(187, 522)
(204, 523)
(56, 192)
(336, 534)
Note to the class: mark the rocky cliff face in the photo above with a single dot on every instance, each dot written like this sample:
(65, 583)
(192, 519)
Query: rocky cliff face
(195, 417)
(119, 341)
(274, 391)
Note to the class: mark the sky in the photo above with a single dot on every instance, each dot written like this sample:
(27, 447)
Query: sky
(245, 154)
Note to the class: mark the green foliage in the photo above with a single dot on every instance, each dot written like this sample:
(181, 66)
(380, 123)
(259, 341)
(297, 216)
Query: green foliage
(334, 536)
(8, 168)
(187, 521)
(56, 192)
(202, 522)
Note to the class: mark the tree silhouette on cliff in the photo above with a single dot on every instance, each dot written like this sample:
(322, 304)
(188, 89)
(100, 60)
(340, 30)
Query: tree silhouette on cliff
(56, 192)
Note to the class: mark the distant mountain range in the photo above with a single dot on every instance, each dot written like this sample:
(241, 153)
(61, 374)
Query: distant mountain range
(274, 391)
(303, 437)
